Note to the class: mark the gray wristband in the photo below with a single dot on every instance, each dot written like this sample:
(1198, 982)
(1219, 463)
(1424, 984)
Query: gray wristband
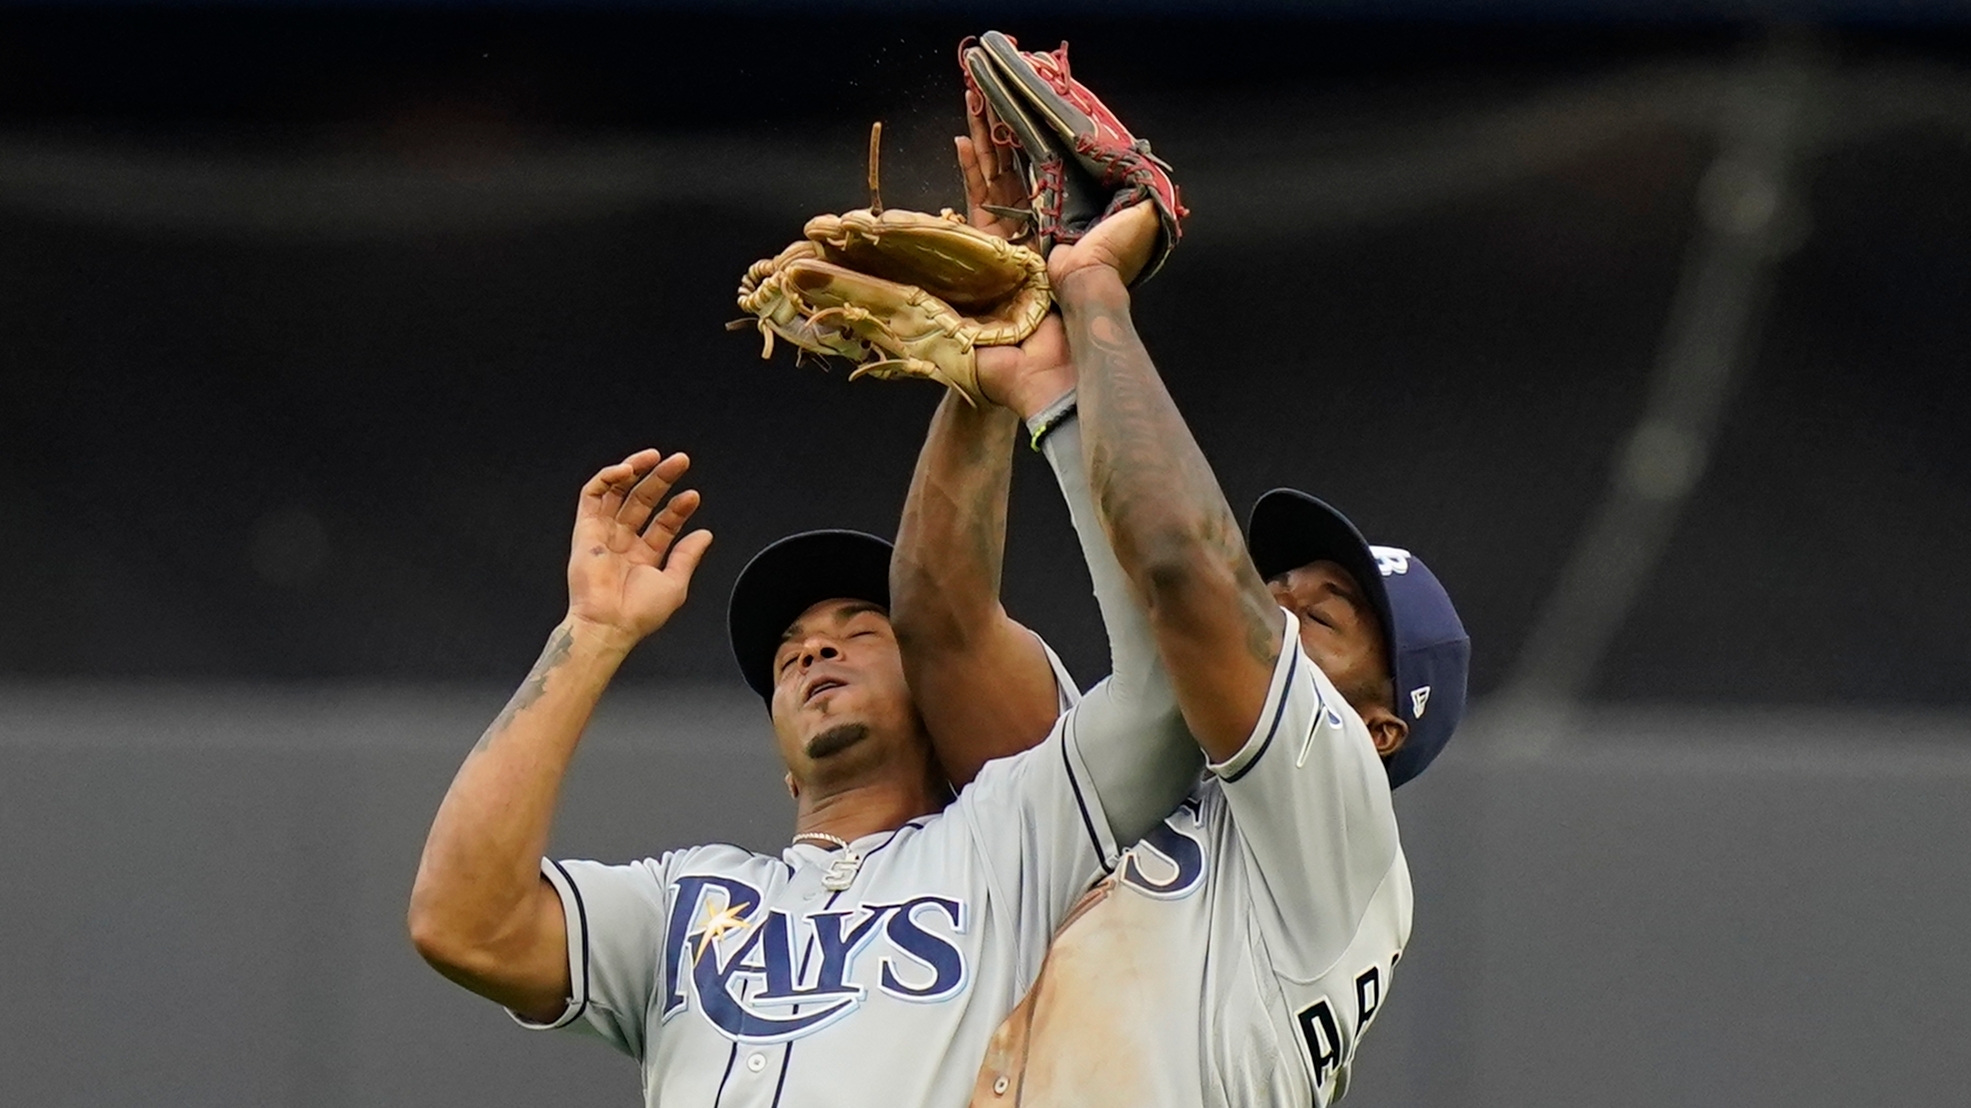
(1050, 417)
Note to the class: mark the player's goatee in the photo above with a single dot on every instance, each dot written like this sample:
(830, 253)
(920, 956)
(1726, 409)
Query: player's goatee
(837, 739)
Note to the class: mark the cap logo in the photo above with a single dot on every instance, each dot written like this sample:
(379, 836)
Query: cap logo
(1418, 698)
(1391, 559)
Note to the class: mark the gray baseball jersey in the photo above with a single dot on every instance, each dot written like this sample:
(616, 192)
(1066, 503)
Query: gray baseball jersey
(1238, 953)
(744, 980)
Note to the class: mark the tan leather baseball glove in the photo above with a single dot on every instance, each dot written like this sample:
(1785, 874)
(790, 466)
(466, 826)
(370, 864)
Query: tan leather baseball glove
(900, 293)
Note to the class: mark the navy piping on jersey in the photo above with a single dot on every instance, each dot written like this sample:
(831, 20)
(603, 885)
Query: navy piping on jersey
(1101, 855)
(787, 1056)
(730, 1058)
(1286, 690)
(582, 917)
(786, 1063)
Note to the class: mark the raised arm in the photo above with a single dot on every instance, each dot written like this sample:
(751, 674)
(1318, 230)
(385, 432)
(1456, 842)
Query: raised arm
(1215, 622)
(982, 681)
(949, 551)
(480, 911)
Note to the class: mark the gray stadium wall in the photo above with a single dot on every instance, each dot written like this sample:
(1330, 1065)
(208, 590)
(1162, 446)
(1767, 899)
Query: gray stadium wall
(206, 889)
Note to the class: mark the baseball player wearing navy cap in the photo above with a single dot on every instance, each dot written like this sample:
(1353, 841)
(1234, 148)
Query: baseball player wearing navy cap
(1238, 953)
(1425, 643)
(870, 960)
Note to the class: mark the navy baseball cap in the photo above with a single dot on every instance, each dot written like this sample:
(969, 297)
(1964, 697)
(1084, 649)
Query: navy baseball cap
(1429, 652)
(789, 577)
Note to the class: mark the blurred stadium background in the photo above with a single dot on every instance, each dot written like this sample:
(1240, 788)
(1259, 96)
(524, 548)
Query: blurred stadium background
(1646, 322)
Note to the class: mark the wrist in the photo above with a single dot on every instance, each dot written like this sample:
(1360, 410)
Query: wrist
(596, 643)
(1036, 395)
(1090, 286)
(1047, 419)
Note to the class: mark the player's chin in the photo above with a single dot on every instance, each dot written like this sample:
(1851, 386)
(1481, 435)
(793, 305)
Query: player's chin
(839, 736)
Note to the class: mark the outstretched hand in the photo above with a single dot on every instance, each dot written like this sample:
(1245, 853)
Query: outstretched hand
(628, 571)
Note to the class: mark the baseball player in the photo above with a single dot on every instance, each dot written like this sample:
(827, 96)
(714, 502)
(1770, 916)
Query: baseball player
(870, 960)
(1238, 953)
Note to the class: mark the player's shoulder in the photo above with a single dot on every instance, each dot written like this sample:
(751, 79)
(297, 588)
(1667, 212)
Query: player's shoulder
(1206, 809)
(1331, 706)
(1003, 773)
(1327, 710)
(719, 858)
(1007, 790)
(1067, 693)
(1209, 792)
(1303, 709)
(722, 854)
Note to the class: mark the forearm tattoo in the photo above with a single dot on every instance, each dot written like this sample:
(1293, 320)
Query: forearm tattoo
(1149, 477)
(990, 467)
(955, 516)
(532, 689)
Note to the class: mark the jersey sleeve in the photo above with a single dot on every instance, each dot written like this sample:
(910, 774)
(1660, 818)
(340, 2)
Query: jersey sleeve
(1039, 825)
(615, 917)
(1310, 804)
(1066, 692)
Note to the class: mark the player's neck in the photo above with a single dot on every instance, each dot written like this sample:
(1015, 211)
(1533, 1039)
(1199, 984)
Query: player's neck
(864, 809)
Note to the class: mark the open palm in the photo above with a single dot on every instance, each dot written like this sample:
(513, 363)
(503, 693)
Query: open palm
(628, 571)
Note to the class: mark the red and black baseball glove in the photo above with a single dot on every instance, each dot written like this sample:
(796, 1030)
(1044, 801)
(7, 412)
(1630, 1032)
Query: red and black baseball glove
(1081, 164)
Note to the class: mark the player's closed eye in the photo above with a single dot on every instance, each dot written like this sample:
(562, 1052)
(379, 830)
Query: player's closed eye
(1354, 599)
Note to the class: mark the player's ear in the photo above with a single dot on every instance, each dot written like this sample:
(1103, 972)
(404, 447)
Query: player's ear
(1387, 731)
(793, 787)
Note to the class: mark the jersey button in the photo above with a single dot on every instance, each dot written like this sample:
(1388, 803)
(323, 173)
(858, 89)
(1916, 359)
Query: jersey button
(999, 1086)
(756, 1063)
